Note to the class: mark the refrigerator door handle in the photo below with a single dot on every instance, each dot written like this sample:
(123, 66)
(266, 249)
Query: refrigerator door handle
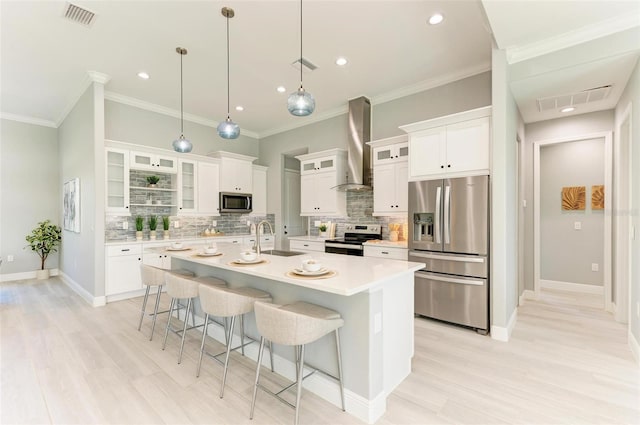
(447, 214)
(448, 257)
(436, 224)
(466, 281)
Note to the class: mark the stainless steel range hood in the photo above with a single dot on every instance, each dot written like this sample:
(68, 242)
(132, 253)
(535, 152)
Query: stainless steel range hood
(359, 153)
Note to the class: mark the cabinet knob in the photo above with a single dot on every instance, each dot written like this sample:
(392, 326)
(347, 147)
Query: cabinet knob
(396, 206)
(127, 206)
(442, 166)
(449, 166)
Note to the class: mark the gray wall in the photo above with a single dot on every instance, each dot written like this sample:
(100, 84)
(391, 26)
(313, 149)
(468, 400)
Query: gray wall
(77, 150)
(566, 254)
(29, 191)
(126, 123)
(546, 130)
(458, 96)
(632, 95)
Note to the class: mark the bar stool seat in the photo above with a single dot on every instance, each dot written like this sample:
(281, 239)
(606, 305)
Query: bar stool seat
(227, 302)
(154, 276)
(295, 324)
(181, 287)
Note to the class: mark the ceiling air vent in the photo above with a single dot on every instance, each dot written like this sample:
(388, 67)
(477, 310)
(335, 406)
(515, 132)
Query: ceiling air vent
(79, 15)
(572, 99)
(307, 66)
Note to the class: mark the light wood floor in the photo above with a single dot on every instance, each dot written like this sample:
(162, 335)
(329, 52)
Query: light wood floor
(65, 362)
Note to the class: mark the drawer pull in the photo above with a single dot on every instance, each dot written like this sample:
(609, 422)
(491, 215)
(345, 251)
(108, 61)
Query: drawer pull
(384, 252)
(125, 250)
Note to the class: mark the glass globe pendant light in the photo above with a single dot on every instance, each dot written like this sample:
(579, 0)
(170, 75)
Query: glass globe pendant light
(228, 129)
(301, 103)
(181, 144)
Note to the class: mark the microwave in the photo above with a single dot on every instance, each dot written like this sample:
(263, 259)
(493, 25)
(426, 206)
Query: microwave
(231, 202)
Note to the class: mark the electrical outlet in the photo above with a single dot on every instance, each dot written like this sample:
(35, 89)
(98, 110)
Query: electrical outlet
(595, 267)
(125, 225)
(577, 225)
(214, 223)
(316, 223)
(176, 224)
(248, 222)
(9, 258)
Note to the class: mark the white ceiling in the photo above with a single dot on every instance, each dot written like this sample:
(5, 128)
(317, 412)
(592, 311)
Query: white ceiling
(392, 52)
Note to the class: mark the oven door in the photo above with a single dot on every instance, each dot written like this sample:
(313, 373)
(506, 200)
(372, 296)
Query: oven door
(341, 248)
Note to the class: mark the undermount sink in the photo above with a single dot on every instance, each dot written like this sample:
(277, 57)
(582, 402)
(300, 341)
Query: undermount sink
(280, 253)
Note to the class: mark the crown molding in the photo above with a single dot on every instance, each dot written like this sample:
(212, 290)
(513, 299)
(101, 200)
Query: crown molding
(572, 38)
(386, 97)
(152, 107)
(27, 120)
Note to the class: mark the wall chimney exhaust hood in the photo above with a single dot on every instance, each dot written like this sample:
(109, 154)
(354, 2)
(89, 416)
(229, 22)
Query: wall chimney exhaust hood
(359, 153)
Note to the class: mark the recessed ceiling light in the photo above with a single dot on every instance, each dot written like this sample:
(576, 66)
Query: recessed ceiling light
(341, 61)
(143, 75)
(436, 18)
(281, 89)
(239, 108)
(568, 109)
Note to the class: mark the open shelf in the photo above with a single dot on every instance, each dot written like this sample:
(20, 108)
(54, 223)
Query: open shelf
(153, 189)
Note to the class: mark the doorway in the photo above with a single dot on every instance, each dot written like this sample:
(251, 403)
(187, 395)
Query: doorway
(292, 223)
(547, 238)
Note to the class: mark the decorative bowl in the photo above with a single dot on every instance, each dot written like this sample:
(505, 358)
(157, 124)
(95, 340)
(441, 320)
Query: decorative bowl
(311, 265)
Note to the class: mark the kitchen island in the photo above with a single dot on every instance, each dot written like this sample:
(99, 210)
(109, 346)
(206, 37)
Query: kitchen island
(375, 298)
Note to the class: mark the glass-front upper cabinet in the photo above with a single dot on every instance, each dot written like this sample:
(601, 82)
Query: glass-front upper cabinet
(117, 183)
(154, 162)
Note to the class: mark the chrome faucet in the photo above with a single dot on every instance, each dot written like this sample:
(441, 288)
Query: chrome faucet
(256, 244)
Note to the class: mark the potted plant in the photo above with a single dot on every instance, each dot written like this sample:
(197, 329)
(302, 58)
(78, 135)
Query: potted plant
(44, 240)
(165, 225)
(153, 224)
(139, 224)
(152, 181)
(323, 230)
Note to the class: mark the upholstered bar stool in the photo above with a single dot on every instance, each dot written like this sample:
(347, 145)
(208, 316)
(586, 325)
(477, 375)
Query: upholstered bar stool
(295, 324)
(154, 276)
(181, 287)
(227, 303)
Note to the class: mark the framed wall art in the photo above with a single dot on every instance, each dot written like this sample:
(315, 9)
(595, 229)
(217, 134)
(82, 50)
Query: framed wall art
(597, 197)
(573, 198)
(71, 205)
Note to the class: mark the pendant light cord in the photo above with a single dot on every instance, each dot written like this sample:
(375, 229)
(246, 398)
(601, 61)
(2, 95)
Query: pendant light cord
(300, 43)
(228, 89)
(181, 102)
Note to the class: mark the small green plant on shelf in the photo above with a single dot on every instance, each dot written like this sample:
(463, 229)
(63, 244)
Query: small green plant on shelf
(165, 222)
(322, 227)
(139, 223)
(153, 222)
(153, 180)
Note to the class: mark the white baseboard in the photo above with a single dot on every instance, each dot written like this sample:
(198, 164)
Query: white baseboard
(501, 333)
(635, 347)
(368, 411)
(573, 287)
(527, 294)
(83, 293)
(10, 277)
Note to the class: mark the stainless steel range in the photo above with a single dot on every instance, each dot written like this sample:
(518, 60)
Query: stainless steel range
(354, 236)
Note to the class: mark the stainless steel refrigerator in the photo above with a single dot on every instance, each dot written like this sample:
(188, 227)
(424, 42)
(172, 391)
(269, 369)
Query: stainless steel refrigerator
(449, 232)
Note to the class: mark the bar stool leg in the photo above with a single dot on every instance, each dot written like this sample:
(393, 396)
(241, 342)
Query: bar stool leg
(155, 312)
(184, 330)
(340, 367)
(242, 334)
(271, 354)
(300, 375)
(144, 306)
(255, 386)
(166, 331)
(226, 359)
(204, 335)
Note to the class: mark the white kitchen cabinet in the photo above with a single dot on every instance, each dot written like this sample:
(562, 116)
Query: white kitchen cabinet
(117, 183)
(152, 256)
(393, 253)
(259, 190)
(317, 193)
(390, 176)
(453, 146)
(123, 269)
(323, 163)
(236, 172)
(305, 246)
(198, 187)
(154, 162)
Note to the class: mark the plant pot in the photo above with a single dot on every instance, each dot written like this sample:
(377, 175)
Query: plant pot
(42, 274)
(138, 235)
(152, 185)
(152, 235)
(166, 234)
(323, 234)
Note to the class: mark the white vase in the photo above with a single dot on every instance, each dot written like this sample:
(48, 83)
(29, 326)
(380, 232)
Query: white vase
(138, 235)
(166, 234)
(323, 234)
(152, 235)
(42, 274)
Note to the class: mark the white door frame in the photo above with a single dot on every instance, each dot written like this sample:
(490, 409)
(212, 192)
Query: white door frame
(608, 157)
(622, 308)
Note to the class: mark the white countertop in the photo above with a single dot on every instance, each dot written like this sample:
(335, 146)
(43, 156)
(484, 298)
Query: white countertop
(354, 274)
(386, 243)
(197, 240)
